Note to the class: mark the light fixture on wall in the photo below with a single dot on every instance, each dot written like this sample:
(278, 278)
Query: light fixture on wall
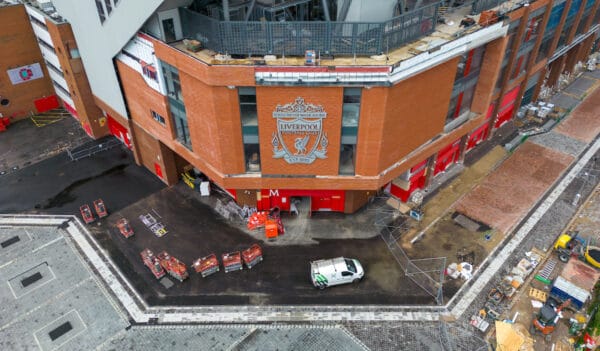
(231, 87)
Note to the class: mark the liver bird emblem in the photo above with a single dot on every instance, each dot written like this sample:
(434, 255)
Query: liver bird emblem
(300, 145)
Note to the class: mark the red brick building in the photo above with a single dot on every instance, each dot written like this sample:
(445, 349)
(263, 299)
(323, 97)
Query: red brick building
(271, 129)
(305, 100)
(25, 86)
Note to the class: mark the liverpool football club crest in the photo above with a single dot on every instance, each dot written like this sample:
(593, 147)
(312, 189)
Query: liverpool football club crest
(299, 137)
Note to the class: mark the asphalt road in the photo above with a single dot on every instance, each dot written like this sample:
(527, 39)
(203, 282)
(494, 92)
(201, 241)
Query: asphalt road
(59, 186)
(282, 278)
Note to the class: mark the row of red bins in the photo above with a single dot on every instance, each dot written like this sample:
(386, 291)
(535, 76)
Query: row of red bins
(232, 261)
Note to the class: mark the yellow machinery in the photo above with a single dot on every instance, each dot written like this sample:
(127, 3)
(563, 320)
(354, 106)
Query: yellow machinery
(567, 246)
(592, 255)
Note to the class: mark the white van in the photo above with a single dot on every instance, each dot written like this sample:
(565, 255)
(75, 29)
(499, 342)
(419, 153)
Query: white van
(335, 271)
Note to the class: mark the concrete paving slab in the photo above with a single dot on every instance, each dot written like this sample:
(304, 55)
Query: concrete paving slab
(52, 261)
(30, 238)
(92, 317)
(593, 74)
(18, 150)
(580, 86)
(559, 141)
(565, 101)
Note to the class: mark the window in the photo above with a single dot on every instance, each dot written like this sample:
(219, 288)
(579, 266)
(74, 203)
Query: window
(60, 88)
(350, 119)
(252, 155)
(464, 84)
(520, 64)
(176, 105)
(562, 41)
(351, 111)
(544, 48)
(247, 99)
(46, 45)
(533, 28)
(168, 30)
(181, 124)
(470, 63)
(583, 22)
(100, 9)
(160, 119)
(105, 8)
(249, 119)
(38, 22)
(54, 68)
(108, 6)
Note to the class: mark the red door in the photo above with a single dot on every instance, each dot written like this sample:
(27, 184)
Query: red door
(158, 170)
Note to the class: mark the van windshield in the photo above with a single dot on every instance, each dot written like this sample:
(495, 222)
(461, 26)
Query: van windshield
(351, 266)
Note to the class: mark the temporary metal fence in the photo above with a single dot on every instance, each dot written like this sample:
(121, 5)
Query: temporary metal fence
(295, 37)
(427, 273)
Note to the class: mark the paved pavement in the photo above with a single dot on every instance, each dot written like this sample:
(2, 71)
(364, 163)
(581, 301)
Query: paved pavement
(18, 151)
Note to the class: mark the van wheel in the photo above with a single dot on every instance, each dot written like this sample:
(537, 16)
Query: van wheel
(321, 286)
(355, 281)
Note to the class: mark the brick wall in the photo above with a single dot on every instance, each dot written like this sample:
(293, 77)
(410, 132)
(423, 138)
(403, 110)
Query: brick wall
(79, 87)
(390, 138)
(415, 112)
(19, 48)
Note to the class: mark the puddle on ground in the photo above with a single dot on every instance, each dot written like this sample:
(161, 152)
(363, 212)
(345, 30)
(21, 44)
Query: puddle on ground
(65, 196)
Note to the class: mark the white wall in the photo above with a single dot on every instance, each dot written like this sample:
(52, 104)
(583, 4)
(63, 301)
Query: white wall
(371, 10)
(99, 43)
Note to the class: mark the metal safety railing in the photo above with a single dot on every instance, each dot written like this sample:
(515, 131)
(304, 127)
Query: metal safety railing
(295, 37)
(92, 148)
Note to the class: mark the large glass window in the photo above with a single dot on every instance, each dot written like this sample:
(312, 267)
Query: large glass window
(562, 41)
(461, 98)
(351, 111)
(584, 19)
(544, 50)
(555, 16)
(520, 64)
(249, 117)
(176, 105)
(533, 28)
(350, 119)
(247, 98)
(470, 63)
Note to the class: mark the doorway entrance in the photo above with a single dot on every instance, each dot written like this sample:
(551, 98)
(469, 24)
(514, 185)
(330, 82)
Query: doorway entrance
(168, 30)
(300, 206)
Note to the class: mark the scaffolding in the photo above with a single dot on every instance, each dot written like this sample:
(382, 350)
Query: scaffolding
(427, 273)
